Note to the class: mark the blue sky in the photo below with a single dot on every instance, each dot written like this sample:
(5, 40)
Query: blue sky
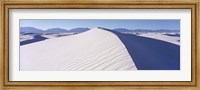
(110, 24)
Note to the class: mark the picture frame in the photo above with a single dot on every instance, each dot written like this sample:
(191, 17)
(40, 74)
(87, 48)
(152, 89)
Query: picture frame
(193, 84)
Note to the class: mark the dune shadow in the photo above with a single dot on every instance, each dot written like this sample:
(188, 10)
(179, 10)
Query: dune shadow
(36, 38)
(151, 54)
(173, 35)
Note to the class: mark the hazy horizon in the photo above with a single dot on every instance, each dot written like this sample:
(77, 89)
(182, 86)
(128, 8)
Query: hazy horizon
(107, 28)
(45, 24)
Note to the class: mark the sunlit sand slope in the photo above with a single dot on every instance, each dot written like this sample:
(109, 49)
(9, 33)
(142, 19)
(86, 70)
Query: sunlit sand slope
(96, 49)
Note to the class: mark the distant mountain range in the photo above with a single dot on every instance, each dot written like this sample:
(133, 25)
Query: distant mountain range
(78, 30)
(55, 30)
(51, 30)
(144, 30)
(30, 29)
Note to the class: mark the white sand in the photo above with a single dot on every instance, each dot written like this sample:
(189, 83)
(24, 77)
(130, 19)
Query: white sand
(96, 49)
(55, 35)
(25, 37)
(162, 37)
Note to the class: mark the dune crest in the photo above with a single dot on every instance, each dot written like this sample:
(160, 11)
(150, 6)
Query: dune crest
(96, 49)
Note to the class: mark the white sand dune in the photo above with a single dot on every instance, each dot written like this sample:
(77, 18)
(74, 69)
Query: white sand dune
(160, 36)
(25, 37)
(96, 49)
